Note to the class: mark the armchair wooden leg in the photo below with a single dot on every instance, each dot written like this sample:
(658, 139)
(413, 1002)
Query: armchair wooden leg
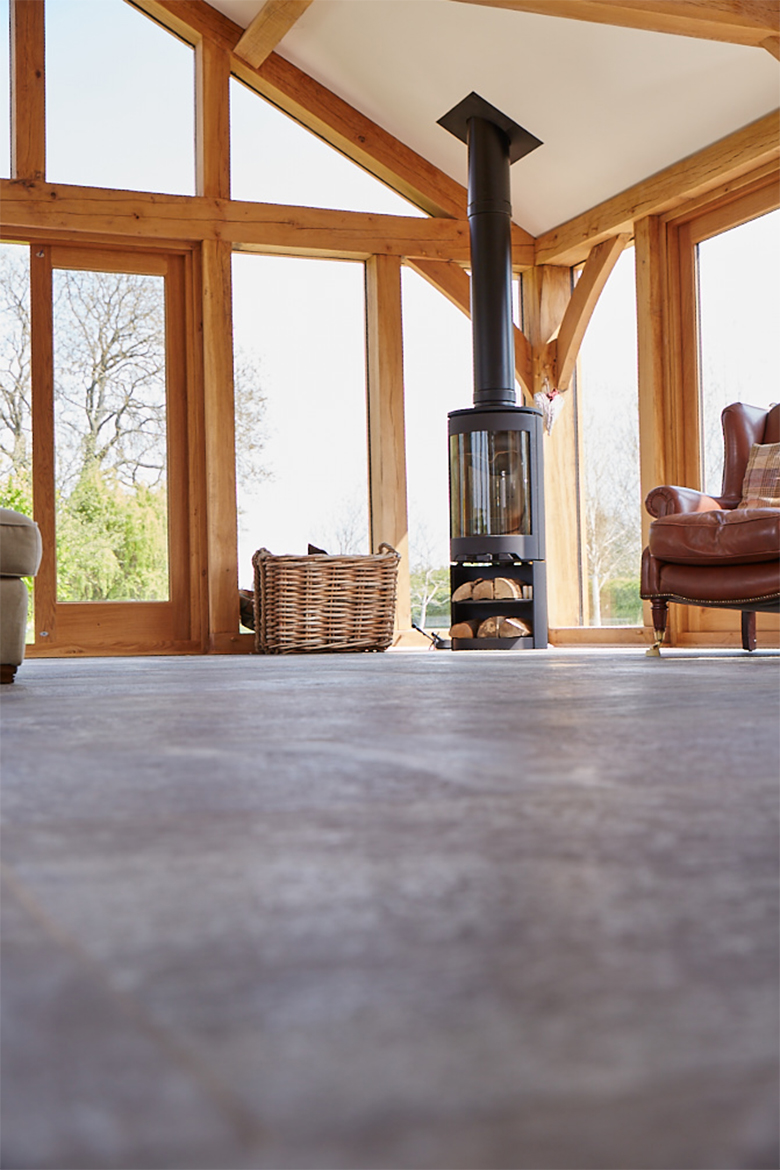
(660, 608)
(748, 630)
(7, 673)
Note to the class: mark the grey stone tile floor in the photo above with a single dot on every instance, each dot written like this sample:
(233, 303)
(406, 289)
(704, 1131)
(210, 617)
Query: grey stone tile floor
(411, 910)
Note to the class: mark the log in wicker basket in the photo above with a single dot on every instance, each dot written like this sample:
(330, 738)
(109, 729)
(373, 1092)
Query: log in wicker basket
(324, 604)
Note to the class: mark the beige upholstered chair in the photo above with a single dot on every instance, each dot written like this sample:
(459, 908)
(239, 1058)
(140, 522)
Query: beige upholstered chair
(20, 556)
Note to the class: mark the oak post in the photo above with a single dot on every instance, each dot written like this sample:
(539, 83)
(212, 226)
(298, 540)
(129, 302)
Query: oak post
(386, 430)
(28, 90)
(219, 431)
(651, 357)
(42, 379)
(546, 294)
(212, 120)
(658, 359)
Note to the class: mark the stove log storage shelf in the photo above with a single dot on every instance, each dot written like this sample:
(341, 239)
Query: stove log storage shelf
(496, 493)
(531, 609)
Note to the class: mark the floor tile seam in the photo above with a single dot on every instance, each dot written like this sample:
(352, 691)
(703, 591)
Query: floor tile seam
(248, 1130)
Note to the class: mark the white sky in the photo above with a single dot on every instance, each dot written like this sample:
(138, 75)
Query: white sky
(5, 103)
(303, 322)
(739, 322)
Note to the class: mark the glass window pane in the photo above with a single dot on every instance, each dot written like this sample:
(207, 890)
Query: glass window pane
(276, 160)
(119, 99)
(15, 385)
(15, 425)
(110, 437)
(301, 424)
(437, 379)
(608, 410)
(5, 90)
(739, 308)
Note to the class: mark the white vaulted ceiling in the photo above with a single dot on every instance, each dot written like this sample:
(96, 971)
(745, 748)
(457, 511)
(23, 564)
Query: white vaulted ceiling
(611, 105)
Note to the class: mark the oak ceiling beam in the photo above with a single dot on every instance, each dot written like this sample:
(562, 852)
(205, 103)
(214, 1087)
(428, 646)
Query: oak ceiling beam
(77, 213)
(328, 116)
(191, 20)
(268, 28)
(726, 160)
(739, 22)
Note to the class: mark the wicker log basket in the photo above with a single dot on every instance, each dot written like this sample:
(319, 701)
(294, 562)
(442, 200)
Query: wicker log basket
(324, 604)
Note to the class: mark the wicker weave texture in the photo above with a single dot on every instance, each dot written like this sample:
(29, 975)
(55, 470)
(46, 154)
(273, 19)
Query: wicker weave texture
(318, 604)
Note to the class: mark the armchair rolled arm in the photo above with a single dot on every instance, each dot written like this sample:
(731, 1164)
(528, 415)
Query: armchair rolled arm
(667, 501)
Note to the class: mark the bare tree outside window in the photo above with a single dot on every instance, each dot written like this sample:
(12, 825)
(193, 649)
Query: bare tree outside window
(15, 392)
(15, 383)
(608, 406)
(110, 426)
(429, 578)
(344, 529)
(110, 436)
(612, 528)
(109, 358)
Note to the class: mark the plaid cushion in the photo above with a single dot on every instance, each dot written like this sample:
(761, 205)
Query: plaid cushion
(761, 485)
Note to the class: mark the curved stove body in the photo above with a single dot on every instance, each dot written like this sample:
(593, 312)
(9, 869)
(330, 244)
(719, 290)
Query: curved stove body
(497, 526)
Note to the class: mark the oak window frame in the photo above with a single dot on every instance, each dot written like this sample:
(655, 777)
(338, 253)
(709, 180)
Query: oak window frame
(670, 399)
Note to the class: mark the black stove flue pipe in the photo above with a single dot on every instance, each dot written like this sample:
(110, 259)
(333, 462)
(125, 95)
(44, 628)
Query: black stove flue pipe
(494, 143)
(490, 232)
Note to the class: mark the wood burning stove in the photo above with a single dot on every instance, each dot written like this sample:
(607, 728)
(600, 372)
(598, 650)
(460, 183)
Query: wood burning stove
(496, 485)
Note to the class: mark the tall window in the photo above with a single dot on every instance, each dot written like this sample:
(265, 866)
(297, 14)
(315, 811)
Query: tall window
(608, 409)
(275, 160)
(119, 100)
(301, 424)
(15, 385)
(437, 379)
(739, 308)
(111, 498)
(5, 91)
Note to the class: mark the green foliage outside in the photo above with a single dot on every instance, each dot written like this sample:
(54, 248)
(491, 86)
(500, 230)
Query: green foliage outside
(112, 541)
(612, 520)
(16, 494)
(621, 604)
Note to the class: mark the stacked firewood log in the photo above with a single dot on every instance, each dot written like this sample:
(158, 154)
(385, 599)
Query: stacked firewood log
(498, 625)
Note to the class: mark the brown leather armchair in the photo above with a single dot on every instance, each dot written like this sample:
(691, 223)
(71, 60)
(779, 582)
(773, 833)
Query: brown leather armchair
(705, 550)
